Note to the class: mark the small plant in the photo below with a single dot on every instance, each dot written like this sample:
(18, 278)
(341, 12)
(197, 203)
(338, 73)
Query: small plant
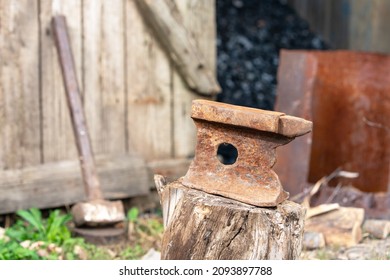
(132, 253)
(132, 214)
(145, 232)
(12, 250)
(34, 228)
(152, 227)
(77, 248)
(33, 238)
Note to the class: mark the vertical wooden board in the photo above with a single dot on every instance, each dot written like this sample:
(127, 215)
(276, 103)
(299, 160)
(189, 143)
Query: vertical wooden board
(303, 6)
(104, 74)
(329, 18)
(380, 26)
(199, 19)
(360, 29)
(339, 21)
(300, 7)
(315, 14)
(369, 25)
(291, 3)
(149, 98)
(20, 126)
(58, 138)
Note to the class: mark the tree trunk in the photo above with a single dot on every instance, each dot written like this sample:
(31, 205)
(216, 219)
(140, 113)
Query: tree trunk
(209, 227)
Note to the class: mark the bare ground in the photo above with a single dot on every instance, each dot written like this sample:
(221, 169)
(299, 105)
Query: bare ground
(368, 249)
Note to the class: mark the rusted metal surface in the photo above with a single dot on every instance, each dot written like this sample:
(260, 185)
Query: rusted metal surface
(96, 211)
(255, 134)
(346, 95)
(102, 236)
(295, 81)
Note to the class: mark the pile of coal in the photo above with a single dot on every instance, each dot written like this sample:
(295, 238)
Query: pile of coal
(250, 36)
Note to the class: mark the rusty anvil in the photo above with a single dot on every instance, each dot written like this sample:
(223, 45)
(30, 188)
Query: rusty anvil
(255, 134)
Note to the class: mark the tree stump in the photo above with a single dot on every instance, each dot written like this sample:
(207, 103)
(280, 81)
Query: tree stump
(201, 226)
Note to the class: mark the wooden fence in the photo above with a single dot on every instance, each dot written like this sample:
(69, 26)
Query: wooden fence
(134, 100)
(360, 25)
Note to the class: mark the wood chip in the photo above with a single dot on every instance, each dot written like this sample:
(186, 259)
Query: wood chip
(341, 227)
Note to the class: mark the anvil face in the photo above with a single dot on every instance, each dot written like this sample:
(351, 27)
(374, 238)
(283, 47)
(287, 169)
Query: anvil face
(255, 134)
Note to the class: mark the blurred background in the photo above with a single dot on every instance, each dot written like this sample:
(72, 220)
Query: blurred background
(269, 54)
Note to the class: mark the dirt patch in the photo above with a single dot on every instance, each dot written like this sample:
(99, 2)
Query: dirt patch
(368, 249)
(144, 234)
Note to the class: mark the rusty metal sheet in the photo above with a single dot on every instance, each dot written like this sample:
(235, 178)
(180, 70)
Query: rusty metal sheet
(347, 96)
(255, 134)
(295, 82)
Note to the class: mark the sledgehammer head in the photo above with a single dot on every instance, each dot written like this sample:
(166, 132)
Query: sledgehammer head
(98, 213)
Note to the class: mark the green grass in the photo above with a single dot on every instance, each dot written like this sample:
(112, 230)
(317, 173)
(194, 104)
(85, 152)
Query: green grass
(12, 250)
(132, 253)
(33, 237)
(31, 226)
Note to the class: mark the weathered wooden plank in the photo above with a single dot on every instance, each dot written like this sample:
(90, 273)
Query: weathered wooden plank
(149, 115)
(20, 125)
(171, 169)
(380, 26)
(164, 18)
(360, 25)
(349, 24)
(58, 139)
(369, 25)
(300, 6)
(199, 19)
(318, 14)
(104, 74)
(339, 23)
(60, 183)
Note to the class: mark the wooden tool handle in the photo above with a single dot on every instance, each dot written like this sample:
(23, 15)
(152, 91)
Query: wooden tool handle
(88, 169)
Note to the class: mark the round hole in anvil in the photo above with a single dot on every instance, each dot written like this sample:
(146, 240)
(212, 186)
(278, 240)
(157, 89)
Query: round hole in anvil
(227, 154)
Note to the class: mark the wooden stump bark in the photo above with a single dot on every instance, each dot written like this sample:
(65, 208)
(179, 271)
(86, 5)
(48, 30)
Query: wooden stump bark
(209, 227)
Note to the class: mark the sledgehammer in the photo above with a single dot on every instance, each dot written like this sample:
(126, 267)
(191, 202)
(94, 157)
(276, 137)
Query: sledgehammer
(95, 211)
